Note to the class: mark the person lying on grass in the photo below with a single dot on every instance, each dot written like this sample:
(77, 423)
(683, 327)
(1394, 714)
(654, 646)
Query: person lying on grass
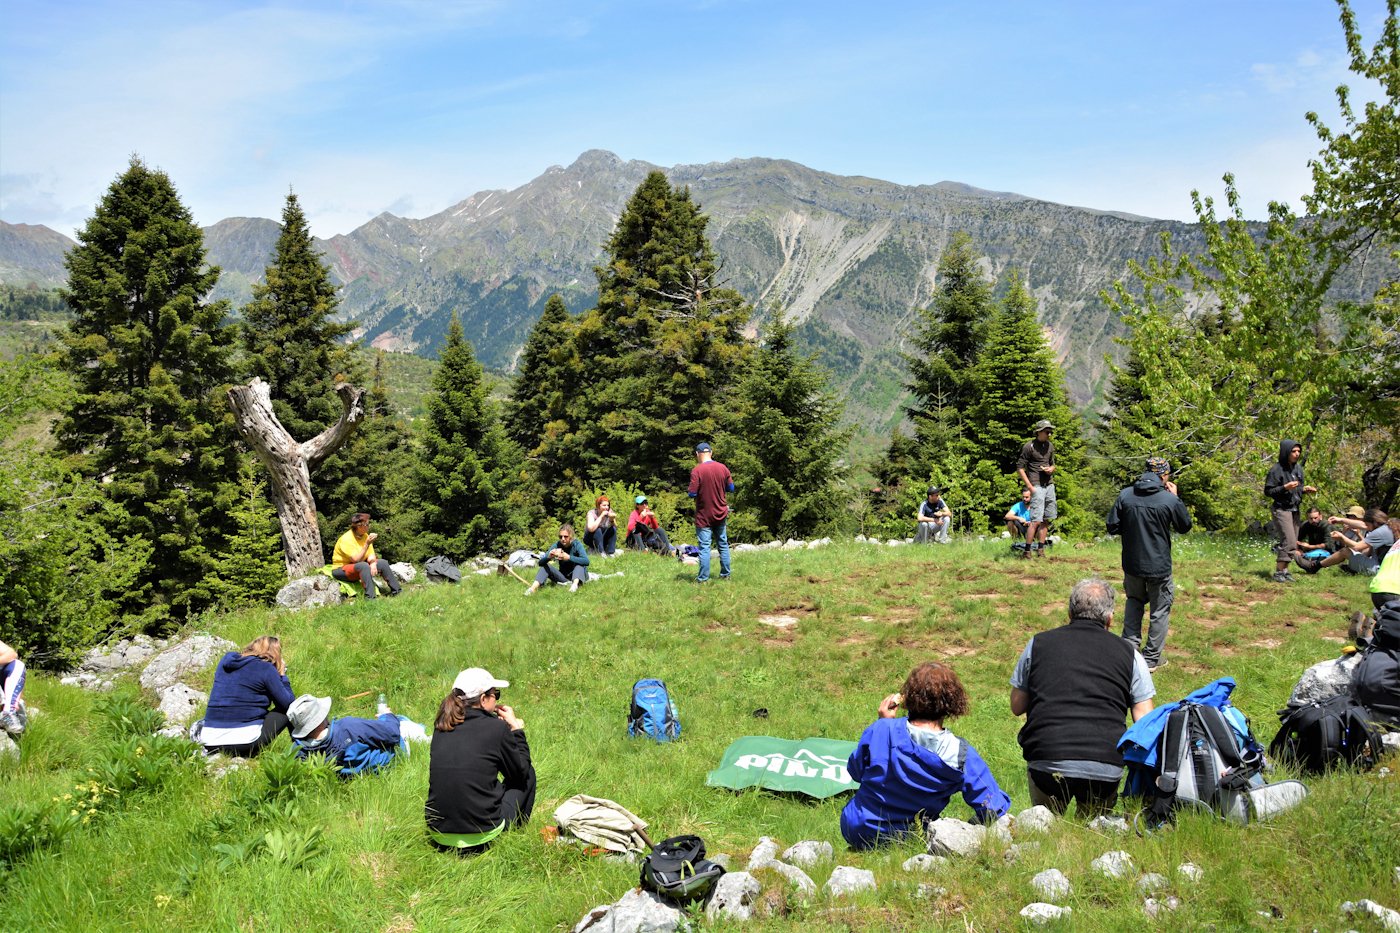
(353, 744)
(910, 766)
(480, 778)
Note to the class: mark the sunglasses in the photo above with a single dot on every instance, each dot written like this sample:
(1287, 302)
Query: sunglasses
(494, 693)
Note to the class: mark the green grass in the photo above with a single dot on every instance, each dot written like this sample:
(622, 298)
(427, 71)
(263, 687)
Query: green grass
(195, 852)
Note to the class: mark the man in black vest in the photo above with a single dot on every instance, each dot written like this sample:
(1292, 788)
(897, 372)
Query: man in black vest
(1076, 685)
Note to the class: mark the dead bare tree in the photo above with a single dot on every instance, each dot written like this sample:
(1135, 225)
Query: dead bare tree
(289, 464)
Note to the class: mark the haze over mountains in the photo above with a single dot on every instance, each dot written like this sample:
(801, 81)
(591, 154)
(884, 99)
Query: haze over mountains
(848, 257)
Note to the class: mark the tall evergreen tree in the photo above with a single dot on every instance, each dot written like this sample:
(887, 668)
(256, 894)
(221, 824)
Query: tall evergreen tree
(468, 472)
(947, 341)
(662, 347)
(787, 440)
(150, 358)
(541, 389)
(289, 334)
(257, 570)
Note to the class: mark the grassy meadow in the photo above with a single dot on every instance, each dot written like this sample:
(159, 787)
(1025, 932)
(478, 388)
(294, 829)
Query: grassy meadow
(148, 840)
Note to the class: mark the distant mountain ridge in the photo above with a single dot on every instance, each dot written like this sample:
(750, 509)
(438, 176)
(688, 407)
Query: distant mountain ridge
(848, 257)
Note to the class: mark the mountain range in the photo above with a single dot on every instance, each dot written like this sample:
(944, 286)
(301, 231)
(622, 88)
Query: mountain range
(849, 258)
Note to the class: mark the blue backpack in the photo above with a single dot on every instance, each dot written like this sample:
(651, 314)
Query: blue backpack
(653, 712)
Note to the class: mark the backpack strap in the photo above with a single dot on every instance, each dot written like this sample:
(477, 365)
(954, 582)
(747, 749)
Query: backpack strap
(1238, 768)
(1169, 750)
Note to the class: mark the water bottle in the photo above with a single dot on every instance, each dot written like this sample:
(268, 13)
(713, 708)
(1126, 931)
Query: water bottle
(383, 705)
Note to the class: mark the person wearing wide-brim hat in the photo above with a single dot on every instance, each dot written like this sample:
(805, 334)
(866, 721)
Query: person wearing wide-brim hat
(353, 744)
(1036, 467)
(480, 778)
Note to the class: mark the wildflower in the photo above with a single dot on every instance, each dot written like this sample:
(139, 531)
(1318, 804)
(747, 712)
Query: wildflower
(67, 796)
(72, 812)
(162, 901)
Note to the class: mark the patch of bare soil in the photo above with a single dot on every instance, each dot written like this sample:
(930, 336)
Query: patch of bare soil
(979, 596)
(1225, 648)
(1268, 643)
(958, 651)
(901, 615)
(1209, 623)
(1030, 581)
(778, 641)
(1052, 608)
(778, 621)
(401, 924)
(854, 639)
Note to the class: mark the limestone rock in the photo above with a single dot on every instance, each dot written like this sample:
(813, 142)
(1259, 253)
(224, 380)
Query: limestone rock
(1391, 741)
(194, 655)
(309, 592)
(926, 891)
(8, 747)
(1324, 680)
(794, 875)
(734, 896)
(720, 859)
(1115, 864)
(848, 880)
(1190, 871)
(861, 539)
(637, 911)
(405, 571)
(1109, 824)
(1041, 914)
(807, 853)
(1151, 882)
(1001, 829)
(1153, 908)
(820, 542)
(924, 862)
(895, 542)
(179, 702)
(219, 766)
(954, 837)
(1051, 884)
(1035, 820)
(1388, 919)
(792, 544)
(744, 548)
(763, 853)
(100, 667)
(1014, 852)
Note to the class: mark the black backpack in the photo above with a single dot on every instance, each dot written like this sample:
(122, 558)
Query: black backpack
(677, 869)
(1375, 682)
(1336, 732)
(441, 569)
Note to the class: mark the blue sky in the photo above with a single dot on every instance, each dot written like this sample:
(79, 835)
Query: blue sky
(412, 105)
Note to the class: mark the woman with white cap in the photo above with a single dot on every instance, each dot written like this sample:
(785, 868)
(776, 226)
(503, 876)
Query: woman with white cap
(480, 779)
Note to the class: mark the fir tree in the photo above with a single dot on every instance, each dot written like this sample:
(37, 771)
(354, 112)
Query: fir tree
(255, 571)
(662, 347)
(543, 377)
(947, 340)
(149, 356)
(787, 440)
(468, 472)
(288, 333)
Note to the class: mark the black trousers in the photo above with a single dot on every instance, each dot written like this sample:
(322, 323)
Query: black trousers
(273, 723)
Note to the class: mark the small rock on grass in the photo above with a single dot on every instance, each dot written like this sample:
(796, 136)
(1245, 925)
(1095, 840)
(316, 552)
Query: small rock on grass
(1151, 882)
(808, 853)
(734, 897)
(1190, 871)
(720, 859)
(1051, 884)
(1037, 819)
(848, 880)
(926, 891)
(1154, 908)
(1113, 864)
(1001, 829)
(924, 862)
(1389, 919)
(1015, 851)
(1109, 824)
(637, 911)
(763, 853)
(8, 748)
(1041, 914)
(954, 837)
(794, 875)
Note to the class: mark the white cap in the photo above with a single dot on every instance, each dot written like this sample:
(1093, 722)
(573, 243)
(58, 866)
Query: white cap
(475, 681)
(306, 713)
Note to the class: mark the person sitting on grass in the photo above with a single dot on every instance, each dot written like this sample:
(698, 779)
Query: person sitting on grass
(933, 519)
(249, 700)
(572, 558)
(1315, 535)
(354, 745)
(13, 715)
(644, 531)
(600, 528)
(1363, 554)
(480, 778)
(910, 766)
(356, 561)
(1385, 585)
(1018, 519)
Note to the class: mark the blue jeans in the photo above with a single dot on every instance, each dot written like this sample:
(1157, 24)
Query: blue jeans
(703, 537)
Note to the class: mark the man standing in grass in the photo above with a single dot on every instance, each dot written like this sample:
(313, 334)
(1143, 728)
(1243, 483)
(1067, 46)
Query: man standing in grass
(1284, 485)
(1036, 467)
(1145, 515)
(709, 482)
(1076, 685)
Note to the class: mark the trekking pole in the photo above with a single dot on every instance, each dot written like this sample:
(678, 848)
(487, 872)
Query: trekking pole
(511, 571)
(641, 831)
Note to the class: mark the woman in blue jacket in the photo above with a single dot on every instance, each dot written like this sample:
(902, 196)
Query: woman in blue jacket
(249, 700)
(909, 767)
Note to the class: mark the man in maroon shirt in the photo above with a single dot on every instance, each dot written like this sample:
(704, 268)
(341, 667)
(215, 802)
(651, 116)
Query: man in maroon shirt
(709, 481)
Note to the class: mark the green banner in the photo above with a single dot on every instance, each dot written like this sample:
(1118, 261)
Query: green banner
(815, 767)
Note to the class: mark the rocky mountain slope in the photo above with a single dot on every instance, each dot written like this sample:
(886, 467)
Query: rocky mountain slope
(848, 257)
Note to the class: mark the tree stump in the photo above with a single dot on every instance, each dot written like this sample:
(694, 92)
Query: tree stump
(289, 464)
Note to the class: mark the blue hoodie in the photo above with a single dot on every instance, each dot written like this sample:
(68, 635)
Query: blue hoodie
(357, 744)
(900, 780)
(244, 687)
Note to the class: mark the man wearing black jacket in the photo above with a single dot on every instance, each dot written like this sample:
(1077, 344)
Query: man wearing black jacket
(1145, 515)
(1284, 485)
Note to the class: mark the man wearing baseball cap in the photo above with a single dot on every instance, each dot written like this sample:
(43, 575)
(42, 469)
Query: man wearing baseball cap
(709, 481)
(480, 778)
(1036, 467)
(352, 744)
(1145, 515)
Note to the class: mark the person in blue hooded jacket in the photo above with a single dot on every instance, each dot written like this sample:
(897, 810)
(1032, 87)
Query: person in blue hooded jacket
(910, 766)
(353, 744)
(248, 702)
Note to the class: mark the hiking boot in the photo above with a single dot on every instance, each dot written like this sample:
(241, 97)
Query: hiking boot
(1155, 666)
(1307, 563)
(1283, 576)
(573, 587)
